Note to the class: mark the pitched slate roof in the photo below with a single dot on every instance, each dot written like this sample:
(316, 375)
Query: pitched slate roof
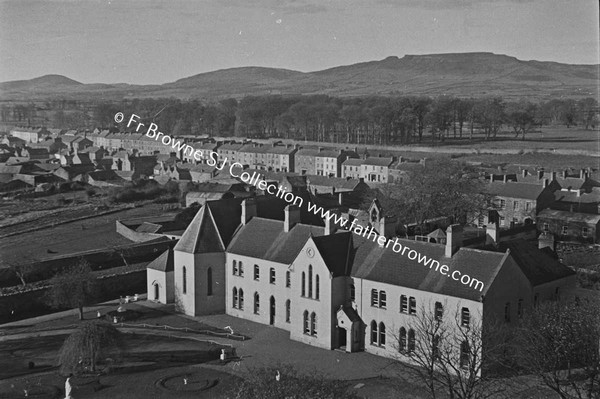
(377, 161)
(353, 162)
(202, 235)
(515, 190)
(164, 263)
(538, 266)
(374, 263)
(569, 216)
(583, 198)
(335, 250)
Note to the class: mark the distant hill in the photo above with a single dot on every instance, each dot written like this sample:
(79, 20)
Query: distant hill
(462, 74)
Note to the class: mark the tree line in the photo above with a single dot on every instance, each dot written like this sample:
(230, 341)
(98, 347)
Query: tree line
(363, 120)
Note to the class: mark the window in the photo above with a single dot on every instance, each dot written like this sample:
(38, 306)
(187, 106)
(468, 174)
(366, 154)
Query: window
(374, 297)
(412, 305)
(382, 299)
(317, 284)
(403, 304)
(235, 298)
(303, 284)
(241, 269)
(402, 340)
(520, 308)
(502, 223)
(256, 303)
(439, 311)
(481, 220)
(527, 206)
(272, 275)
(313, 324)
(288, 306)
(288, 279)
(381, 334)
(241, 300)
(507, 312)
(411, 340)
(465, 317)
(310, 291)
(502, 203)
(305, 323)
(352, 292)
(535, 300)
(374, 334)
(235, 268)
(465, 354)
(584, 232)
(209, 284)
(184, 280)
(435, 347)
(256, 273)
(546, 227)
(564, 230)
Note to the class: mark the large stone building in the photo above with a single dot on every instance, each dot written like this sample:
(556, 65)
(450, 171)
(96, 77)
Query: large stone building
(334, 289)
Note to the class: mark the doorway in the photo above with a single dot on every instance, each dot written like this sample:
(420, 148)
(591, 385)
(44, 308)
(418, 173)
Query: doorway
(156, 292)
(342, 338)
(272, 311)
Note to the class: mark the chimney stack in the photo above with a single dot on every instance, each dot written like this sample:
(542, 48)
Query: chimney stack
(540, 174)
(582, 174)
(491, 233)
(524, 173)
(330, 226)
(248, 209)
(292, 217)
(545, 183)
(503, 178)
(546, 240)
(553, 176)
(564, 174)
(453, 239)
(491, 178)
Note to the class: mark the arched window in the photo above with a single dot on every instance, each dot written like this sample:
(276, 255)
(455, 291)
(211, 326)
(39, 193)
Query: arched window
(465, 354)
(305, 322)
(288, 279)
(184, 280)
(402, 340)
(310, 291)
(235, 297)
(313, 324)
(256, 303)
(288, 306)
(382, 299)
(412, 305)
(439, 311)
(317, 286)
(374, 297)
(352, 292)
(241, 269)
(465, 317)
(381, 334)
(303, 284)
(373, 333)
(411, 340)
(507, 312)
(403, 304)
(241, 302)
(209, 282)
(235, 268)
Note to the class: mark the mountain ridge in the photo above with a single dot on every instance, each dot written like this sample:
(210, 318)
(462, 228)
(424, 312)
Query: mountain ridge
(461, 74)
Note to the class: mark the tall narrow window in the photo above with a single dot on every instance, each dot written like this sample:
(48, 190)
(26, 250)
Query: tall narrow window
(272, 275)
(288, 306)
(256, 303)
(305, 322)
(411, 340)
(465, 317)
(256, 273)
(403, 304)
(241, 269)
(310, 286)
(520, 308)
(313, 324)
(184, 280)
(352, 292)
(412, 305)
(303, 284)
(507, 312)
(382, 299)
(536, 298)
(288, 279)
(402, 340)
(317, 283)
(235, 298)
(374, 297)
(465, 354)
(373, 333)
(241, 300)
(439, 311)
(381, 334)
(435, 347)
(235, 268)
(209, 282)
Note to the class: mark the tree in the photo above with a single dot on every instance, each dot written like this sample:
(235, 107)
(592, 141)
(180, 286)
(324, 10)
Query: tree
(559, 343)
(453, 359)
(91, 342)
(522, 117)
(73, 288)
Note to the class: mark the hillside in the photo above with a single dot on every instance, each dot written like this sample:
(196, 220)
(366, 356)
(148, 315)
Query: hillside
(463, 74)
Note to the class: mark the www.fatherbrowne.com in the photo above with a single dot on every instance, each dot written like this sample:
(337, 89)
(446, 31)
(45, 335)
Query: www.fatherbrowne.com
(236, 170)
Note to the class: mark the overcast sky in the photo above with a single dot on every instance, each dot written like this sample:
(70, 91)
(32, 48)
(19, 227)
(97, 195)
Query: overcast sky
(161, 41)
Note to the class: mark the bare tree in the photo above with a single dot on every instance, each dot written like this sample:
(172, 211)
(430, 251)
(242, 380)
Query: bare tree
(75, 287)
(453, 354)
(559, 343)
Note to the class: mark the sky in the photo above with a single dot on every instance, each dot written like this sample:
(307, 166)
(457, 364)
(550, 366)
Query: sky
(155, 42)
